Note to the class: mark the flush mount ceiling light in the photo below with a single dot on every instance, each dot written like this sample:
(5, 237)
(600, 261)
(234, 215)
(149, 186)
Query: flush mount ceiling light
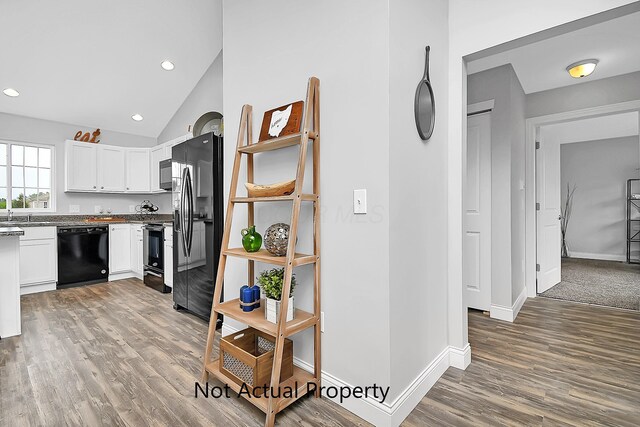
(137, 117)
(580, 69)
(11, 92)
(167, 65)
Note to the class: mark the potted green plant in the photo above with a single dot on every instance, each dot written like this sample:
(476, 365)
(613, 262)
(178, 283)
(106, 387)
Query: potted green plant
(271, 282)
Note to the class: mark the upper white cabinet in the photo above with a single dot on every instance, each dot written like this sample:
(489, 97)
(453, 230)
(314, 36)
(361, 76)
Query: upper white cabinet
(81, 161)
(158, 154)
(105, 168)
(138, 170)
(111, 171)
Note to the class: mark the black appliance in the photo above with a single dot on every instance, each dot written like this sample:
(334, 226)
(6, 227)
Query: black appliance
(165, 175)
(198, 221)
(153, 257)
(83, 255)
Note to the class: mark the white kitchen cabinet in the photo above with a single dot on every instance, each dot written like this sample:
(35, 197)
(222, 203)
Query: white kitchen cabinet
(119, 248)
(157, 155)
(81, 160)
(137, 254)
(111, 168)
(38, 259)
(138, 170)
(168, 256)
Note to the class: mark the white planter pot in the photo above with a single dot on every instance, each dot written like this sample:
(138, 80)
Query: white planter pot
(272, 310)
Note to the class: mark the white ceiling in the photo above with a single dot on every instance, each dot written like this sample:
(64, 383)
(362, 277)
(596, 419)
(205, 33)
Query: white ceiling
(95, 63)
(541, 65)
(594, 128)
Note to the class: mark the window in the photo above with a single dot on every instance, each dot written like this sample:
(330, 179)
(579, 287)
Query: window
(26, 177)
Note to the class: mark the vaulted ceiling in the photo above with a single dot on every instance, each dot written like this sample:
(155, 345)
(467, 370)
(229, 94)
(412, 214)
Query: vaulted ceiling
(541, 65)
(96, 63)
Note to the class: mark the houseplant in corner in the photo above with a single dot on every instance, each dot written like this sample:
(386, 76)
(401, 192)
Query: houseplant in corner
(271, 282)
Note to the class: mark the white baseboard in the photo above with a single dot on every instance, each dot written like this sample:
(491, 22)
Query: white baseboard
(390, 414)
(603, 257)
(120, 276)
(508, 314)
(40, 287)
(460, 358)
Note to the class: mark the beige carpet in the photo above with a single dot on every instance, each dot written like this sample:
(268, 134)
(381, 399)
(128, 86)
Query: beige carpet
(608, 283)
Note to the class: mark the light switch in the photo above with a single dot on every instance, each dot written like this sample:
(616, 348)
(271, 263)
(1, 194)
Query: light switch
(132, 208)
(74, 208)
(359, 201)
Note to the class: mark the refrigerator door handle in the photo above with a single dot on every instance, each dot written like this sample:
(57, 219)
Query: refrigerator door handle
(190, 211)
(183, 229)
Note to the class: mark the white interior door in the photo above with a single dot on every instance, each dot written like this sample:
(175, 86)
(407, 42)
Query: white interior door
(548, 214)
(476, 273)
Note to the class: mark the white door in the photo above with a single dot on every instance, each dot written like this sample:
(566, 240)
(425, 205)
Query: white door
(111, 171)
(138, 170)
(81, 159)
(476, 273)
(119, 248)
(548, 215)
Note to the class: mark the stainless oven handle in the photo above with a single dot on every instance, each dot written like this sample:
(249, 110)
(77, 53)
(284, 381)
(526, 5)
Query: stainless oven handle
(153, 274)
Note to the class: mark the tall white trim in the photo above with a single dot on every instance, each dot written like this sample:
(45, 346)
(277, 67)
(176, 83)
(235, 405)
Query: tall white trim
(509, 314)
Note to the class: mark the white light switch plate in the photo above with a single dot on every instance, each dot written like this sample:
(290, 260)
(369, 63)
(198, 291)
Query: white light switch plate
(322, 321)
(74, 208)
(360, 201)
(132, 208)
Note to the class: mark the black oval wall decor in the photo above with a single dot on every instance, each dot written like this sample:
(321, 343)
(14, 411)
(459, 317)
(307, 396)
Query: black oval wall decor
(425, 103)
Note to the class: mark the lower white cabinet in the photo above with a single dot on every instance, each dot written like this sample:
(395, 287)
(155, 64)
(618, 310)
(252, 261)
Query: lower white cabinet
(168, 256)
(38, 259)
(119, 248)
(137, 255)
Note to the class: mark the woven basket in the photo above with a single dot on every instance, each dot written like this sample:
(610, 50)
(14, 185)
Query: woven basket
(247, 358)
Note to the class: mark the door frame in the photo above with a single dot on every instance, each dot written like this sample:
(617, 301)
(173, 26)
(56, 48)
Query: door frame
(531, 132)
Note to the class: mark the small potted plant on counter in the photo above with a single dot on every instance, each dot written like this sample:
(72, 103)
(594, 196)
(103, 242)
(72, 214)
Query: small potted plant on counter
(271, 282)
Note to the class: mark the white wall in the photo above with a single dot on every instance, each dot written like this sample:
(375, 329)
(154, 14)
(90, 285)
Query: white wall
(475, 26)
(584, 95)
(27, 129)
(267, 61)
(206, 96)
(418, 193)
(599, 170)
(507, 171)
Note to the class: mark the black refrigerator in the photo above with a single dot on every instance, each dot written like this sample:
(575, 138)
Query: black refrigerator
(196, 171)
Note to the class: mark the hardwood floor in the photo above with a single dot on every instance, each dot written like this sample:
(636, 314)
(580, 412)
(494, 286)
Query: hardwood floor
(117, 354)
(559, 364)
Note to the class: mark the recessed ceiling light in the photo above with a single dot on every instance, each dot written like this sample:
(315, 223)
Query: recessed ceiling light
(167, 65)
(581, 69)
(11, 92)
(137, 117)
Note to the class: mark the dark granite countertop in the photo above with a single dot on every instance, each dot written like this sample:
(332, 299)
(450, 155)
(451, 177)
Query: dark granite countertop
(11, 231)
(80, 221)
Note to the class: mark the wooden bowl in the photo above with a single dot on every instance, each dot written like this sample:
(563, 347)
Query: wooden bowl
(272, 190)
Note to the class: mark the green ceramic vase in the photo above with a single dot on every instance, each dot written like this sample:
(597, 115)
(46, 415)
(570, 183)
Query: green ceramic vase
(251, 239)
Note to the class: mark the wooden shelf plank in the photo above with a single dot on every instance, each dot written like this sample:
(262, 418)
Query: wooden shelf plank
(300, 376)
(264, 256)
(304, 197)
(272, 144)
(301, 320)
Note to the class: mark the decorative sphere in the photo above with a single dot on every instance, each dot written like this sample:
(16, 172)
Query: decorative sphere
(276, 239)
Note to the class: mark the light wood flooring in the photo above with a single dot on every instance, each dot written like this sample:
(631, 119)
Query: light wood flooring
(118, 354)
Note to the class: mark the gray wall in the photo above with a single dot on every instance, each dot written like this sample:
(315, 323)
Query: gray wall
(599, 169)
(265, 66)
(507, 170)
(206, 96)
(418, 193)
(584, 95)
(27, 129)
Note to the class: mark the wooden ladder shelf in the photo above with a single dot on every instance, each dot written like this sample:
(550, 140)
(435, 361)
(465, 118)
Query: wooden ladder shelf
(255, 319)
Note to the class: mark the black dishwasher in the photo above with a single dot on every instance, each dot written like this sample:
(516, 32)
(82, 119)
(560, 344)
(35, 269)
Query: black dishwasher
(83, 255)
